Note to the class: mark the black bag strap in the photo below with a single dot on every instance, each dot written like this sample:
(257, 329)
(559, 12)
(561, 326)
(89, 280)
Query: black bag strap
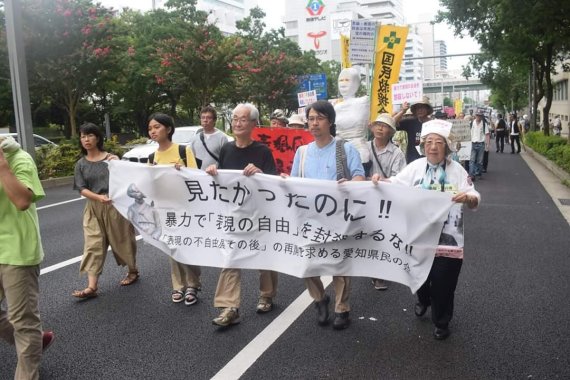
(206, 147)
(341, 161)
(181, 153)
(377, 160)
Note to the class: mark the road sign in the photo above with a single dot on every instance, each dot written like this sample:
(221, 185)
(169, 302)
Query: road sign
(317, 82)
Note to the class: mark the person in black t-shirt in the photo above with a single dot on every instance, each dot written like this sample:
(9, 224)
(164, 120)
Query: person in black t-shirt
(413, 126)
(252, 157)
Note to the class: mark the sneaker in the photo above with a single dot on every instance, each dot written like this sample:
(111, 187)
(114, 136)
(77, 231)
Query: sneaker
(323, 311)
(341, 321)
(379, 284)
(47, 339)
(229, 316)
(264, 305)
(190, 296)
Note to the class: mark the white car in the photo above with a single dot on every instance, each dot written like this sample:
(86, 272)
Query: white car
(182, 135)
(39, 141)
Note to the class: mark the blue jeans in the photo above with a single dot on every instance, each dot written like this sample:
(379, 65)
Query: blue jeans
(476, 161)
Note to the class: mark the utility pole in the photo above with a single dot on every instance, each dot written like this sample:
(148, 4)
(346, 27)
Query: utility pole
(19, 75)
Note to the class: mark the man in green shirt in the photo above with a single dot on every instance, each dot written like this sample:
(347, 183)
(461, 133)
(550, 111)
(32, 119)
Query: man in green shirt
(20, 255)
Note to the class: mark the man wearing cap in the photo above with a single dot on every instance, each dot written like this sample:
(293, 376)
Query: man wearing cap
(278, 119)
(413, 126)
(480, 135)
(387, 159)
(296, 121)
(437, 172)
(20, 256)
(500, 133)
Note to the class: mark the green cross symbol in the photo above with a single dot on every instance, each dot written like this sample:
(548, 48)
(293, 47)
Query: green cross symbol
(392, 40)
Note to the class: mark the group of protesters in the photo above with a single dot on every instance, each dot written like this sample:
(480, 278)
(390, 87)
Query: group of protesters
(429, 167)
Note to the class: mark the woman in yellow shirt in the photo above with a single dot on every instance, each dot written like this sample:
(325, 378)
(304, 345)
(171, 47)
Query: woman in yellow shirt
(185, 278)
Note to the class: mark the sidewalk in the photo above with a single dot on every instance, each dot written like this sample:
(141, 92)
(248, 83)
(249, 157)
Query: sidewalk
(550, 176)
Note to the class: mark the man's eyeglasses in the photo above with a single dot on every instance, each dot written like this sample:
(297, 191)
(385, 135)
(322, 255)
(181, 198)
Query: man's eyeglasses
(235, 120)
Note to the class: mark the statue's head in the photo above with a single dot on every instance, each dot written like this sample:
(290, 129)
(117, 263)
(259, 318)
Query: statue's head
(348, 82)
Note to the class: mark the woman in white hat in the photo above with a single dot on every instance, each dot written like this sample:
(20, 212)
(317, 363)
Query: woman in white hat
(436, 171)
(296, 121)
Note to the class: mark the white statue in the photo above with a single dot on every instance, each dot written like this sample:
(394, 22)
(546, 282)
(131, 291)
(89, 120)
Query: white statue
(352, 114)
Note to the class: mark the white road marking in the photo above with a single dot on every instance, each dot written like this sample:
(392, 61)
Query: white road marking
(59, 204)
(70, 261)
(250, 353)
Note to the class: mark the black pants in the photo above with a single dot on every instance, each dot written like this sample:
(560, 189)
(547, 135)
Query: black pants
(518, 140)
(500, 140)
(485, 161)
(439, 289)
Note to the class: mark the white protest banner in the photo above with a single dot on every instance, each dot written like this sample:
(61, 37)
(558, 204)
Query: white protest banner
(306, 98)
(298, 226)
(410, 92)
(362, 38)
(461, 133)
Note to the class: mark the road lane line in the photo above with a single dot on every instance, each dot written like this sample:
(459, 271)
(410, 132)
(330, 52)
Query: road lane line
(74, 260)
(59, 204)
(250, 353)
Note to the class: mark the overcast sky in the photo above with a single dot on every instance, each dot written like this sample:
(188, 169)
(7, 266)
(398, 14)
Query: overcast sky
(414, 11)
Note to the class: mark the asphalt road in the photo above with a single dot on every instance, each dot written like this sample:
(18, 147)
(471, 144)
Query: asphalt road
(512, 315)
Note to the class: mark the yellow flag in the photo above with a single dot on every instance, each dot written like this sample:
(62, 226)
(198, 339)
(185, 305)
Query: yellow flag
(458, 106)
(344, 48)
(390, 45)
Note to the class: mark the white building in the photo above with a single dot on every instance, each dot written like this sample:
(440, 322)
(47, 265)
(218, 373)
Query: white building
(440, 51)
(317, 24)
(225, 13)
(412, 68)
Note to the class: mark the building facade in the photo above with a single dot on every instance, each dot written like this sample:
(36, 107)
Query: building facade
(225, 13)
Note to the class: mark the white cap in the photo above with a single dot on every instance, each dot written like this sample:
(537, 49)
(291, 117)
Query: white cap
(439, 127)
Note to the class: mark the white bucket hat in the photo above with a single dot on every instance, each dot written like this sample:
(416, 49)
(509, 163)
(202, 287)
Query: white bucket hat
(439, 127)
(386, 119)
(296, 119)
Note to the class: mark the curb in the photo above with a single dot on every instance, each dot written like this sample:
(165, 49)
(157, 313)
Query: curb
(55, 182)
(555, 169)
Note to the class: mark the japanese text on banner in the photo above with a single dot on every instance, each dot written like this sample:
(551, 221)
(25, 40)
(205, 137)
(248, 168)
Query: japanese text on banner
(298, 226)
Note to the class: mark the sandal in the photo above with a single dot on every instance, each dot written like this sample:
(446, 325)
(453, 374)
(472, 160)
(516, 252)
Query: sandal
(190, 296)
(264, 305)
(130, 279)
(86, 293)
(177, 296)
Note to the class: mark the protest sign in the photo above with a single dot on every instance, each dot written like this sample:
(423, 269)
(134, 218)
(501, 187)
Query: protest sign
(410, 92)
(461, 133)
(283, 143)
(361, 46)
(298, 226)
(306, 98)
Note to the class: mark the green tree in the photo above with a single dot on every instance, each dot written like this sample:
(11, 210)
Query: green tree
(514, 33)
(68, 44)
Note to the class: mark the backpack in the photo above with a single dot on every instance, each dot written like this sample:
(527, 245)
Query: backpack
(181, 153)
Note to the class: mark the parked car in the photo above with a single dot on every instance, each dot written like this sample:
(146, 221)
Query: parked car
(39, 141)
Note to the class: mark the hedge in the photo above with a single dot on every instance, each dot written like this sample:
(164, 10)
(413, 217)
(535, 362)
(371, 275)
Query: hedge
(555, 148)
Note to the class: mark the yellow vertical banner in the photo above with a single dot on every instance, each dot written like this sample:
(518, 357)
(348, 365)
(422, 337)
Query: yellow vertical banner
(344, 52)
(458, 106)
(390, 45)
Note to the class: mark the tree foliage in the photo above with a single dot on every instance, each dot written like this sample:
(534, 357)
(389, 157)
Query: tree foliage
(513, 35)
(85, 60)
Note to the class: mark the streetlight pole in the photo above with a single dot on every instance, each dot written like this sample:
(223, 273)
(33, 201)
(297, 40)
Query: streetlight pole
(19, 75)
